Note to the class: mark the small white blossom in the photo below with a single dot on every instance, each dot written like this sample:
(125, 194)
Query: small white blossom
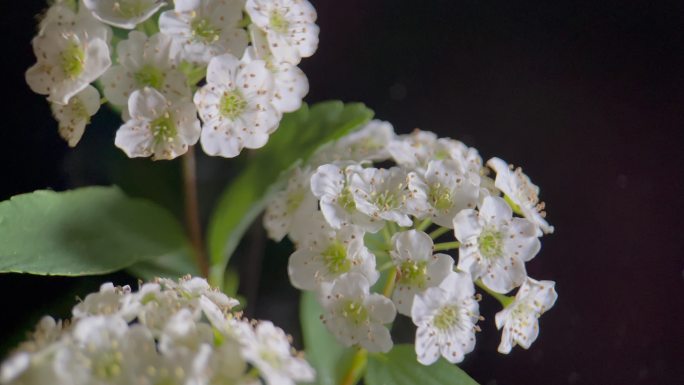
(158, 127)
(446, 316)
(519, 319)
(144, 62)
(110, 300)
(520, 192)
(202, 29)
(75, 115)
(381, 194)
(324, 255)
(69, 58)
(123, 13)
(416, 150)
(443, 192)
(357, 317)
(289, 25)
(290, 84)
(268, 349)
(417, 268)
(331, 185)
(369, 143)
(63, 15)
(291, 208)
(494, 245)
(235, 106)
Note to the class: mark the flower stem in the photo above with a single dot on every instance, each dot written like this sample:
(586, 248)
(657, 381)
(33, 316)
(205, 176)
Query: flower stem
(192, 220)
(422, 226)
(447, 246)
(358, 365)
(389, 285)
(503, 299)
(442, 230)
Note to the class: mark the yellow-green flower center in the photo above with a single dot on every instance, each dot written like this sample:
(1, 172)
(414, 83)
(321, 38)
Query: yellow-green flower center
(335, 258)
(204, 31)
(491, 243)
(346, 200)
(354, 312)
(129, 8)
(107, 365)
(440, 197)
(232, 104)
(294, 200)
(413, 273)
(150, 76)
(446, 317)
(164, 129)
(278, 22)
(386, 200)
(72, 59)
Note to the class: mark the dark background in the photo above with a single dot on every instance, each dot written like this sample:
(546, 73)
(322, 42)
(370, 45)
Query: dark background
(586, 96)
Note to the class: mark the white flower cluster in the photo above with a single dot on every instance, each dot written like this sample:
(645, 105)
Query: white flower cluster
(247, 51)
(360, 215)
(172, 333)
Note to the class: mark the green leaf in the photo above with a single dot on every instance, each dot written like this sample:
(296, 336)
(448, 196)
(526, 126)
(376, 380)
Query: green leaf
(92, 230)
(174, 266)
(323, 352)
(400, 367)
(299, 135)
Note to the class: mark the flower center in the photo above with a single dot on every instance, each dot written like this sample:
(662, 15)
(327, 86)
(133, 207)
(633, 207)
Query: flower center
(440, 197)
(108, 365)
(232, 104)
(294, 200)
(386, 200)
(278, 22)
(491, 243)
(163, 129)
(354, 312)
(72, 59)
(413, 273)
(446, 317)
(335, 258)
(346, 200)
(150, 76)
(129, 8)
(205, 32)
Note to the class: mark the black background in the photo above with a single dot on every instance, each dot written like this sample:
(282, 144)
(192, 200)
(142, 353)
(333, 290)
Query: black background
(586, 96)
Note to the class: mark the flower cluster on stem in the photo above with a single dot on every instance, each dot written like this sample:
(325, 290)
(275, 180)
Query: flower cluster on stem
(369, 216)
(168, 332)
(148, 58)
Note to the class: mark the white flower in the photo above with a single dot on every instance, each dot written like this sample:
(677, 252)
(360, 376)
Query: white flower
(268, 349)
(417, 149)
(289, 25)
(63, 14)
(202, 29)
(325, 254)
(144, 62)
(381, 194)
(235, 106)
(123, 13)
(291, 208)
(158, 127)
(290, 84)
(357, 317)
(417, 268)
(520, 192)
(369, 143)
(446, 316)
(519, 319)
(68, 60)
(110, 300)
(75, 115)
(494, 245)
(330, 184)
(443, 192)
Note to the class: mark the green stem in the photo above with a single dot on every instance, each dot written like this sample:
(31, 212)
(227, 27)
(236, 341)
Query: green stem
(192, 219)
(389, 285)
(422, 226)
(503, 299)
(387, 235)
(447, 246)
(386, 266)
(357, 367)
(442, 230)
